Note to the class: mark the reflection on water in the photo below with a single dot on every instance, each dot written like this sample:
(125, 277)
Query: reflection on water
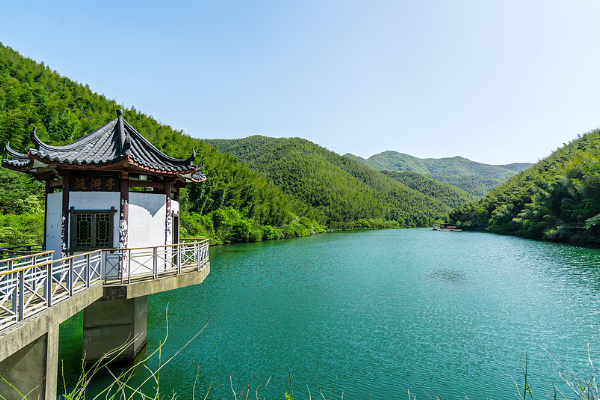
(376, 314)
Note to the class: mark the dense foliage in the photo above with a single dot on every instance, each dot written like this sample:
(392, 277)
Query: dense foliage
(346, 193)
(557, 199)
(21, 209)
(473, 177)
(448, 194)
(477, 186)
(235, 204)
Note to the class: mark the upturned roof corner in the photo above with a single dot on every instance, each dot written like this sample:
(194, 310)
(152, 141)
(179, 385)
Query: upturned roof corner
(34, 138)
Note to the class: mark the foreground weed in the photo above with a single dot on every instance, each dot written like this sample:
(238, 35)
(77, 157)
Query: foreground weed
(121, 387)
(581, 387)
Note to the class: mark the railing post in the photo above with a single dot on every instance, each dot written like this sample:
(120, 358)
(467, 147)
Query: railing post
(178, 247)
(49, 285)
(88, 273)
(122, 265)
(21, 295)
(70, 277)
(198, 254)
(103, 257)
(154, 263)
(128, 265)
(15, 295)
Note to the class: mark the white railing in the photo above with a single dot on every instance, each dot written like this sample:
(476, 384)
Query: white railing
(29, 289)
(31, 284)
(124, 266)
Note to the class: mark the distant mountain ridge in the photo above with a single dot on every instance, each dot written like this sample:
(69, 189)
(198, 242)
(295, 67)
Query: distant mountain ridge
(343, 189)
(471, 176)
(401, 162)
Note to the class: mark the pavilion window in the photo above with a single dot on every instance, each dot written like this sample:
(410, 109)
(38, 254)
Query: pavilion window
(91, 229)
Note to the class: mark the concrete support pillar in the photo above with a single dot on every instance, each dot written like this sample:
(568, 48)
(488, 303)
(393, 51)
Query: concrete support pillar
(107, 325)
(31, 372)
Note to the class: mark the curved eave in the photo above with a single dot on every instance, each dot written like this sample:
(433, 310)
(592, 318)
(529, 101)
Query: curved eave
(14, 154)
(16, 165)
(202, 178)
(20, 162)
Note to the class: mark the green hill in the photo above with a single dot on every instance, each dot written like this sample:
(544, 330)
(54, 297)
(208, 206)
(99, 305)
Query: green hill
(473, 177)
(448, 194)
(556, 199)
(235, 204)
(345, 191)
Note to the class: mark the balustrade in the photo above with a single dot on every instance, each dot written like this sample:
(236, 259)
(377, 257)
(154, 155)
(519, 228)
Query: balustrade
(32, 283)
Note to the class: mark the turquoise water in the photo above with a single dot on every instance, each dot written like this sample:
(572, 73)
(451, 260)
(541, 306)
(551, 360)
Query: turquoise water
(376, 314)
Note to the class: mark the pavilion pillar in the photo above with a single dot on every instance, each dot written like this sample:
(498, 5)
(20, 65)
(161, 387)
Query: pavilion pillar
(124, 219)
(47, 191)
(64, 229)
(168, 217)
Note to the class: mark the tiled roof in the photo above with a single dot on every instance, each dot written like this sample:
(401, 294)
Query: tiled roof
(112, 143)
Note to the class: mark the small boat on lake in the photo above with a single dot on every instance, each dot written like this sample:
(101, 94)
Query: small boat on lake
(447, 228)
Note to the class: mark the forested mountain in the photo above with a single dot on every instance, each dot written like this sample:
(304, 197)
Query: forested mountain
(473, 177)
(556, 199)
(235, 204)
(448, 194)
(344, 190)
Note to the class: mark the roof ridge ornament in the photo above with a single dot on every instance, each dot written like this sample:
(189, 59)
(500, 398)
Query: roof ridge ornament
(123, 135)
(126, 146)
(191, 158)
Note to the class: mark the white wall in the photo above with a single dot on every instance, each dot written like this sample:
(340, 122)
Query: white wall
(147, 219)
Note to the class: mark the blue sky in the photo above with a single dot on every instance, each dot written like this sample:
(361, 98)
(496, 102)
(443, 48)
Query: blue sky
(493, 81)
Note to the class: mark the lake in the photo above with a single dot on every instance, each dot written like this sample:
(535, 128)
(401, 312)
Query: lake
(376, 314)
